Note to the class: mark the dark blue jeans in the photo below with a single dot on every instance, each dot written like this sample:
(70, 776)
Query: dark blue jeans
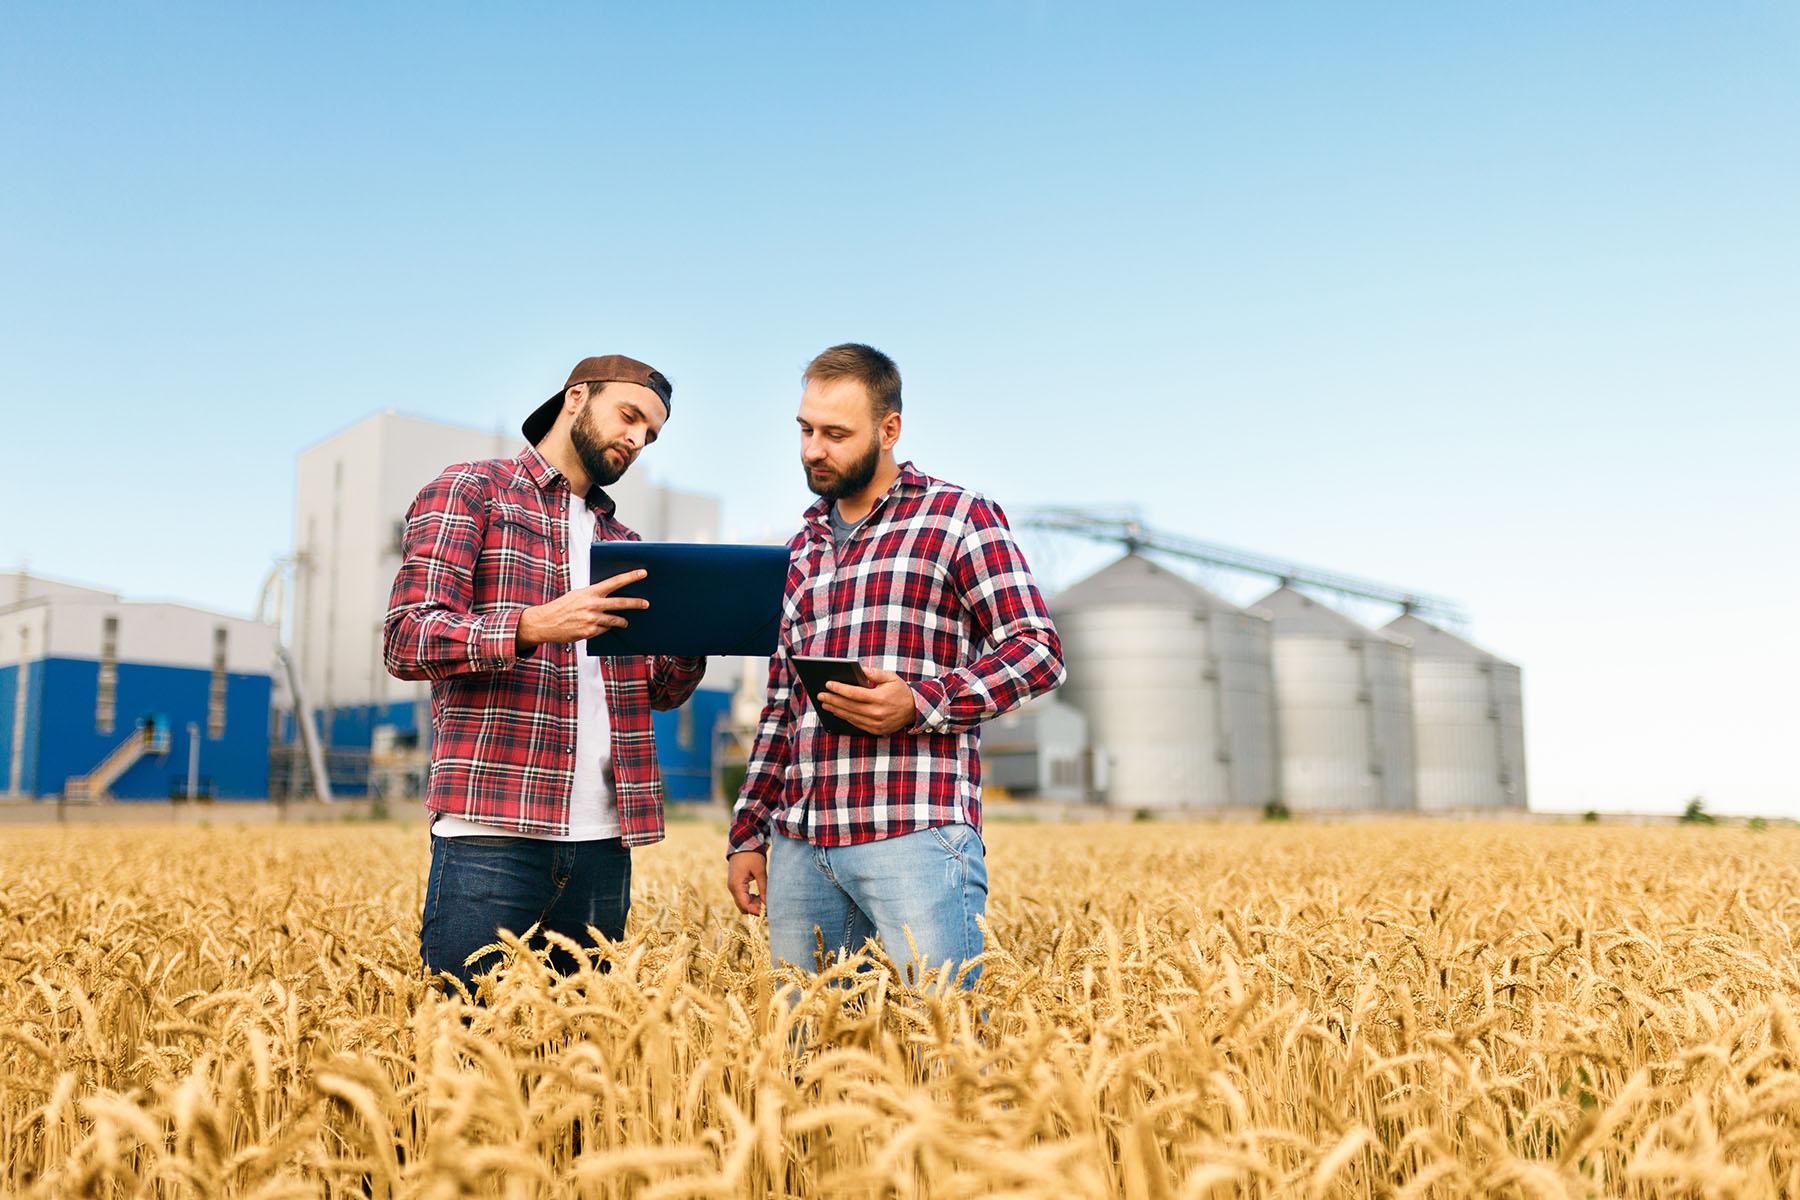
(481, 885)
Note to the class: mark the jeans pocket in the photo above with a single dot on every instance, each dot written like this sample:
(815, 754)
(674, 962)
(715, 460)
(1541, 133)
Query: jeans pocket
(954, 839)
(515, 872)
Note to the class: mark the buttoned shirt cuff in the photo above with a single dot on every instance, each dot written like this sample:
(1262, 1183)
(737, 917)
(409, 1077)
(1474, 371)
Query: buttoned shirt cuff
(746, 835)
(499, 639)
(929, 699)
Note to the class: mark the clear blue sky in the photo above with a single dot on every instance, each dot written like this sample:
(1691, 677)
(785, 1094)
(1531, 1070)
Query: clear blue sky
(1498, 301)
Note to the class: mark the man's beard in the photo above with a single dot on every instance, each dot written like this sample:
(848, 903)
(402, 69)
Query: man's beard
(853, 479)
(592, 451)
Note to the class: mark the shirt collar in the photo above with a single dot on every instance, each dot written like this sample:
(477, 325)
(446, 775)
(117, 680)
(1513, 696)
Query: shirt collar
(537, 468)
(910, 482)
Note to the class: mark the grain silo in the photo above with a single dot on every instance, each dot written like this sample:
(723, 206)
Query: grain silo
(1468, 722)
(1343, 699)
(1174, 682)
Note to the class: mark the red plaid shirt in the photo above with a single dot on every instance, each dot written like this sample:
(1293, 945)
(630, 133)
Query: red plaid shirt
(932, 587)
(483, 542)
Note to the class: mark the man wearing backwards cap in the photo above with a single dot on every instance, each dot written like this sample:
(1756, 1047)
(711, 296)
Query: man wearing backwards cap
(543, 762)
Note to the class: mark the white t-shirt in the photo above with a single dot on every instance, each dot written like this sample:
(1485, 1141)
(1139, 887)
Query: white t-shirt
(593, 811)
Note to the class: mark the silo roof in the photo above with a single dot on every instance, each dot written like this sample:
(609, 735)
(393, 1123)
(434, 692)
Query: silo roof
(1295, 613)
(1431, 642)
(1135, 582)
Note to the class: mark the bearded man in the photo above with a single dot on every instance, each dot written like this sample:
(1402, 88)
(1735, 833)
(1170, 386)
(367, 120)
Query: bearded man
(543, 760)
(877, 834)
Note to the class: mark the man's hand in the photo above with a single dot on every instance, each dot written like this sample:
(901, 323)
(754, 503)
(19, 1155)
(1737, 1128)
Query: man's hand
(886, 707)
(742, 869)
(580, 614)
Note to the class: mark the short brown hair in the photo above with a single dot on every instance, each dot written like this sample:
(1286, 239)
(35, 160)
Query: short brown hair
(878, 373)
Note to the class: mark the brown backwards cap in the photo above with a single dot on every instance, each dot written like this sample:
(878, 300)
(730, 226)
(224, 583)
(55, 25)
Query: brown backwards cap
(605, 368)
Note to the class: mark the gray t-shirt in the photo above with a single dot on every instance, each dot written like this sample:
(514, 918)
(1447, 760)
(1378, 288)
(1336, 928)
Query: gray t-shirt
(840, 528)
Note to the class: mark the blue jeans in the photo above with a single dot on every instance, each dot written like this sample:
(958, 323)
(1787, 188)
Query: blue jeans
(932, 883)
(481, 885)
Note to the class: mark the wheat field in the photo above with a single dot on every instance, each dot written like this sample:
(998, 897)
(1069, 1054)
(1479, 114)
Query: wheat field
(1384, 1009)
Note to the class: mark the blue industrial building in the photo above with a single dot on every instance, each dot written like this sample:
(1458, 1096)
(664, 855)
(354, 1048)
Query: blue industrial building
(102, 698)
(106, 698)
(686, 740)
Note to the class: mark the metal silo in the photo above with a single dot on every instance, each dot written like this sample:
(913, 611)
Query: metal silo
(1343, 698)
(1174, 682)
(1468, 722)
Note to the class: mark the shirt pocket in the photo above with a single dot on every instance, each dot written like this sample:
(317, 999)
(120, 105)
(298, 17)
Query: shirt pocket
(520, 556)
(508, 519)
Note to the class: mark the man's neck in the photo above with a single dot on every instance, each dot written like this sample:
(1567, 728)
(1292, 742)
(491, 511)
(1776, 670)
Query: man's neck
(851, 509)
(559, 452)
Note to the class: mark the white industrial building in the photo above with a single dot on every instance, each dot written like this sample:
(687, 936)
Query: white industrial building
(1343, 701)
(18, 586)
(1468, 722)
(351, 494)
(1175, 685)
(1038, 751)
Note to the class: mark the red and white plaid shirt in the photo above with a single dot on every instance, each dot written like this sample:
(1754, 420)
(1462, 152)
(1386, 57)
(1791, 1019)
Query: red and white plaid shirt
(483, 542)
(932, 587)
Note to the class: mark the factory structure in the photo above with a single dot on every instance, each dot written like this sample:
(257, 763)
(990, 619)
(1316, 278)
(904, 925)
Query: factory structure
(107, 698)
(1177, 698)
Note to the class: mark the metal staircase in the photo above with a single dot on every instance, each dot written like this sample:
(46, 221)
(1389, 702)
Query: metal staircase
(150, 737)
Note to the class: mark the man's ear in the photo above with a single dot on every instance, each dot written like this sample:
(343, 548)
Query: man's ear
(576, 396)
(890, 430)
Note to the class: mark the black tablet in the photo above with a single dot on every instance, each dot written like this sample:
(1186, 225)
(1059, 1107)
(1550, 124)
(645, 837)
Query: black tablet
(704, 599)
(815, 673)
